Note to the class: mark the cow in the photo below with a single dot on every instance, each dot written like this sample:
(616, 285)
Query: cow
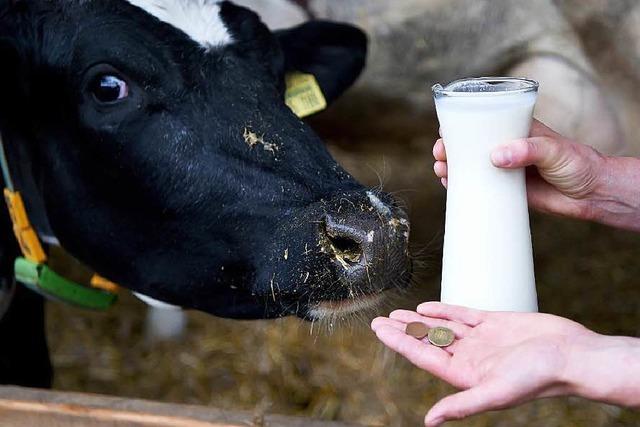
(151, 140)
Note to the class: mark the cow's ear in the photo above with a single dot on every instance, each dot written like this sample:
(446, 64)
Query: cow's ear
(334, 53)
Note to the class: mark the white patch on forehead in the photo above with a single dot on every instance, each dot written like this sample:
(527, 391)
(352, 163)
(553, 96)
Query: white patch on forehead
(199, 19)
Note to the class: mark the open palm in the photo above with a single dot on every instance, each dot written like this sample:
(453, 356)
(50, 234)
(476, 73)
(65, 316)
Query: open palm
(498, 359)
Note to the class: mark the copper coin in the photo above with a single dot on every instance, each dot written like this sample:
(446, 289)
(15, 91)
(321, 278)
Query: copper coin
(441, 337)
(417, 330)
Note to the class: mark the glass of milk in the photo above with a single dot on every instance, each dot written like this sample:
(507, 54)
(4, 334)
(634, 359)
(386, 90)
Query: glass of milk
(488, 259)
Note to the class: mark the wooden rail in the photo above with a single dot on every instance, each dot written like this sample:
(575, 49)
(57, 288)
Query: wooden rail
(23, 407)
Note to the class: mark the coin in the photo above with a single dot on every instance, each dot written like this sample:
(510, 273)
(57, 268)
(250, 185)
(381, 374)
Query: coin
(417, 330)
(440, 336)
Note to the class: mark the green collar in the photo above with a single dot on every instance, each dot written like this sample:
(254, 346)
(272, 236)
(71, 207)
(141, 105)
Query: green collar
(32, 270)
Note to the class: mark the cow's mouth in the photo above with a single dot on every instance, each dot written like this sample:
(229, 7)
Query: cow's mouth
(344, 308)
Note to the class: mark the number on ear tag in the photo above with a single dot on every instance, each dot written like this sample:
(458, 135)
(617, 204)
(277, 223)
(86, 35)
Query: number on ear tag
(303, 94)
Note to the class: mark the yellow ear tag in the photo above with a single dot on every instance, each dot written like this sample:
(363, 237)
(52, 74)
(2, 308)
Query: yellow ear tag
(303, 94)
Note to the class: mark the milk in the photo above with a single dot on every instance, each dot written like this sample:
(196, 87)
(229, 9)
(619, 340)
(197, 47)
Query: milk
(487, 260)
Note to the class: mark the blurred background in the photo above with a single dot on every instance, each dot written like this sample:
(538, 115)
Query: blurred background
(585, 53)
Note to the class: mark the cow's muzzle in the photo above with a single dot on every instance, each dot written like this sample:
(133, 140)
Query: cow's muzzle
(364, 239)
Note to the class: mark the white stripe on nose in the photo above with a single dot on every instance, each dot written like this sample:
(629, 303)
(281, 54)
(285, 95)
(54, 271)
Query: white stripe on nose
(377, 203)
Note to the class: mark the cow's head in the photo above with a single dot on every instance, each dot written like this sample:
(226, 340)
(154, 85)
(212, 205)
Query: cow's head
(154, 136)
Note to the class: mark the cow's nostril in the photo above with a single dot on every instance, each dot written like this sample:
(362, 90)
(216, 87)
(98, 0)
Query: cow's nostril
(346, 248)
(342, 241)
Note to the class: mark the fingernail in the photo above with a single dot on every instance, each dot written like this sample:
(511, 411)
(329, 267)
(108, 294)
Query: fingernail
(374, 323)
(502, 157)
(429, 302)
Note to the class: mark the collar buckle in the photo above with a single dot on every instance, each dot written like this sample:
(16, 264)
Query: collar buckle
(25, 234)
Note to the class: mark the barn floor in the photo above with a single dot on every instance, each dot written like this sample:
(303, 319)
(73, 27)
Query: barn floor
(585, 272)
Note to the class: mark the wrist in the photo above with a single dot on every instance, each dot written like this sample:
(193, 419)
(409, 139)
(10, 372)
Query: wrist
(567, 380)
(603, 368)
(615, 199)
(577, 357)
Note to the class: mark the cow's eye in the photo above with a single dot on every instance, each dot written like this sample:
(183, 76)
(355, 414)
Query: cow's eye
(108, 89)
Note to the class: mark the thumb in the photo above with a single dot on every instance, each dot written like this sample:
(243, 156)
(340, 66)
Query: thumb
(481, 398)
(541, 151)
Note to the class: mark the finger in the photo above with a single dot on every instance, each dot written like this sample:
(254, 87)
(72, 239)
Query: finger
(440, 132)
(444, 182)
(541, 151)
(439, 152)
(407, 316)
(468, 316)
(543, 197)
(385, 321)
(440, 168)
(424, 356)
(482, 398)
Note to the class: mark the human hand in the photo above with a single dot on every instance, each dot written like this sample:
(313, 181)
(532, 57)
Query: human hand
(499, 359)
(565, 177)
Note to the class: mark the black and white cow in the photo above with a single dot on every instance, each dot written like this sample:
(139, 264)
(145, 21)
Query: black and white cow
(151, 138)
